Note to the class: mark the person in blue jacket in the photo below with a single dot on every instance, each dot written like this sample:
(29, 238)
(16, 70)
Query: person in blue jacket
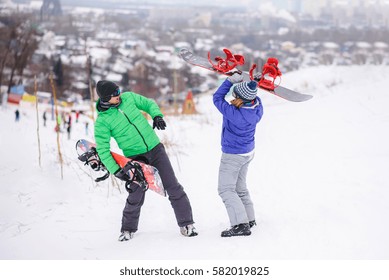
(240, 118)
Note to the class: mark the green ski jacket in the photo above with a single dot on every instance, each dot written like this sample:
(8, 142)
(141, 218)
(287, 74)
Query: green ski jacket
(128, 126)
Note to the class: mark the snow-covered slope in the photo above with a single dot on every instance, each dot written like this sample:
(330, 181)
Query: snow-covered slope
(319, 182)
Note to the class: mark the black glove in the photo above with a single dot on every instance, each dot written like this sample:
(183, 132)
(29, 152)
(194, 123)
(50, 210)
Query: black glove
(120, 174)
(159, 123)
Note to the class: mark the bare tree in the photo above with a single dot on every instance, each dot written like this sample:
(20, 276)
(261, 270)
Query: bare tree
(6, 37)
(23, 45)
(19, 42)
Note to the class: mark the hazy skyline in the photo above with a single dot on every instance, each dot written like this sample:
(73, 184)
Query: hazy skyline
(300, 6)
(316, 8)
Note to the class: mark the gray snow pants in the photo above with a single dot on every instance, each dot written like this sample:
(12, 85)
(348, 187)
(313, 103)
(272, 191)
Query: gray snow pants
(178, 199)
(233, 190)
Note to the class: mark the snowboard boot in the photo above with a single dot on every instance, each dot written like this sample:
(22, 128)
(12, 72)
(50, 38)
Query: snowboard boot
(188, 230)
(238, 230)
(126, 235)
(252, 223)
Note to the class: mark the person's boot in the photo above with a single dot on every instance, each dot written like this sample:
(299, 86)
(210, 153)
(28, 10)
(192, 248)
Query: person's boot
(252, 223)
(126, 235)
(188, 230)
(238, 230)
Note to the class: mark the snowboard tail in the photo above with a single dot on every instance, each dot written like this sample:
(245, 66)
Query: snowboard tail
(145, 175)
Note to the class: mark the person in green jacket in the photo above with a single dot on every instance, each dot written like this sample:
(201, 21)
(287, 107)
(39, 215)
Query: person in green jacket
(120, 117)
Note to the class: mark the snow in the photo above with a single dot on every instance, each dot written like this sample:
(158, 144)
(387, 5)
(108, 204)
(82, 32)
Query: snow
(363, 45)
(319, 182)
(114, 77)
(331, 45)
(380, 45)
(99, 53)
(269, 8)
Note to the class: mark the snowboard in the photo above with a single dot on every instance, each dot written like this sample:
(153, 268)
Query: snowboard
(145, 175)
(227, 66)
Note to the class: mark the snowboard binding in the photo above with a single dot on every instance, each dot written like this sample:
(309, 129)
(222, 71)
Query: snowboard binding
(270, 72)
(91, 158)
(134, 170)
(224, 65)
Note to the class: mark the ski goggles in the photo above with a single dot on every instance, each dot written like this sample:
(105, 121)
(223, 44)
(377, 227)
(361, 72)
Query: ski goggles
(116, 93)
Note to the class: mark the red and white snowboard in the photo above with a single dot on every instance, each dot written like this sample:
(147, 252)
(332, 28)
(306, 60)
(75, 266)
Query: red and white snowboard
(226, 66)
(145, 175)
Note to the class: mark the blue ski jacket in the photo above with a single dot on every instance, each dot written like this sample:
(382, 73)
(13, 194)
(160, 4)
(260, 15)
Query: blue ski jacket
(238, 130)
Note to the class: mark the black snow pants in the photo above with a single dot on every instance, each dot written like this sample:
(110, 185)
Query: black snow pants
(178, 199)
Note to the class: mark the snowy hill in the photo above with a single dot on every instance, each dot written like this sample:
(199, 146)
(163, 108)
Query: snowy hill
(319, 182)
